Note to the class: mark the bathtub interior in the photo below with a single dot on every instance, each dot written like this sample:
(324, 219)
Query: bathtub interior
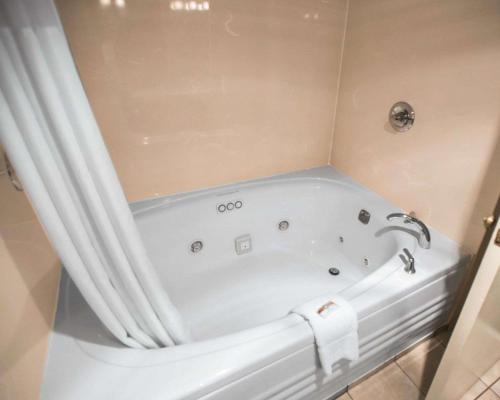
(220, 292)
(285, 268)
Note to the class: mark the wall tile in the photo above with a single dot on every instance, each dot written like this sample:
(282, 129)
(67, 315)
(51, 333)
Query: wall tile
(191, 99)
(28, 291)
(443, 57)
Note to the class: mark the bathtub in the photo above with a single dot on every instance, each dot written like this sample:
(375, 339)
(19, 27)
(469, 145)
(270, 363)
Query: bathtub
(235, 260)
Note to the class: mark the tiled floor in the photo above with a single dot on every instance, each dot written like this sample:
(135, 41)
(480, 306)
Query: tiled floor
(487, 387)
(409, 376)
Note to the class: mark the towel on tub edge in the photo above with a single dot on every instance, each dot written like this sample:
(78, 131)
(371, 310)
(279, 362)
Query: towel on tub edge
(334, 323)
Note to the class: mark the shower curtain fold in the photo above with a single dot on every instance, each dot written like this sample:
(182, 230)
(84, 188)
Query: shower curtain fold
(49, 132)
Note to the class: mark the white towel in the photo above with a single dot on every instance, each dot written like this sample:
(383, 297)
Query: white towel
(334, 323)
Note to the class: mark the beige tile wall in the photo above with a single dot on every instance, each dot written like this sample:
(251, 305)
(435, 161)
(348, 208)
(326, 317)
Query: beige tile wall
(29, 275)
(443, 57)
(190, 99)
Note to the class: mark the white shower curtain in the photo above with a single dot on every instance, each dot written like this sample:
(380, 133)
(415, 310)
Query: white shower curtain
(49, 132)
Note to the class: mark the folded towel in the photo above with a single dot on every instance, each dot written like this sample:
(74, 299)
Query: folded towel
(334, 323)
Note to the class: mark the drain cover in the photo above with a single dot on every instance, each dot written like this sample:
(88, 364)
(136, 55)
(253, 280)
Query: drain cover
(334, 271)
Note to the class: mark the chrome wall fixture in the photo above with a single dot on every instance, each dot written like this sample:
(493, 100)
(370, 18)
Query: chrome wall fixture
(401, 116)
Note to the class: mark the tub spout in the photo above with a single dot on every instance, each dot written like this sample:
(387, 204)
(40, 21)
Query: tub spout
(424, 238)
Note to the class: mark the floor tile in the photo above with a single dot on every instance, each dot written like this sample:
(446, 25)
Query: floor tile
(421, 349)
(488, 395)
(474, 391)
(421, 363)
(444, 337)
(493, 374)
(345, 396)
(496, 387)
(388, 384)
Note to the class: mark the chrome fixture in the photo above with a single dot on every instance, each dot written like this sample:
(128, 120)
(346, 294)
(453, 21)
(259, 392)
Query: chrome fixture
(401, 116)
(334, 271)
(11, 173)
(229, 206)
(366, 261)
(196, 246)
(341, 239)
(409, 261)
(424, 237)
(283, 225)
(364, 216)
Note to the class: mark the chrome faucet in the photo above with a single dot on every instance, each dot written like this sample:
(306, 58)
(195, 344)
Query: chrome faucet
(424, 238)
(409, 261)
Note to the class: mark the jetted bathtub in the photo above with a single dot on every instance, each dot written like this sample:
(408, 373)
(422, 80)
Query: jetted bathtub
(235, 260)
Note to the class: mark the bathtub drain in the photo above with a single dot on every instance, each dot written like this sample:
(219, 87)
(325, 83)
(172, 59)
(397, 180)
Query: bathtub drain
(334, 271)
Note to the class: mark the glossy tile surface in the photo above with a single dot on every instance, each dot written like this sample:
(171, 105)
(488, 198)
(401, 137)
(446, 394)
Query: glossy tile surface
(488, 395)
(421, 363)
(496, 387)
(442, 57)
(389, 383)
(492, 375)
(474, 391)
(224, 91)
(29, 273)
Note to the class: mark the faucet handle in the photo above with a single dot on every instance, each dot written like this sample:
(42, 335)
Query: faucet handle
(410, 262)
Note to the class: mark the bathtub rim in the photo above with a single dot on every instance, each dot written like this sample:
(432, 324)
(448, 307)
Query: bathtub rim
(266, 330)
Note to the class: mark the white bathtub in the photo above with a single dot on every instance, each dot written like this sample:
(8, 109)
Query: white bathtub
(247, 345)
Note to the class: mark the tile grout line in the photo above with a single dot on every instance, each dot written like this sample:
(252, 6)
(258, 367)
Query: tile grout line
(411, 380)
(494, 382)
(480, 394)
(440, 344)
(339, 75)
(395, 361)
(487, 388)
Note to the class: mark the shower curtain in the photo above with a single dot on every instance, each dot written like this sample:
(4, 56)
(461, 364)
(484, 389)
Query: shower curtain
(51, 137)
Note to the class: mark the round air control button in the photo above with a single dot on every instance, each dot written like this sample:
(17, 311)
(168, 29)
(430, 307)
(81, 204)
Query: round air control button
(230, 206)
(238, 204)
(221, 208)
